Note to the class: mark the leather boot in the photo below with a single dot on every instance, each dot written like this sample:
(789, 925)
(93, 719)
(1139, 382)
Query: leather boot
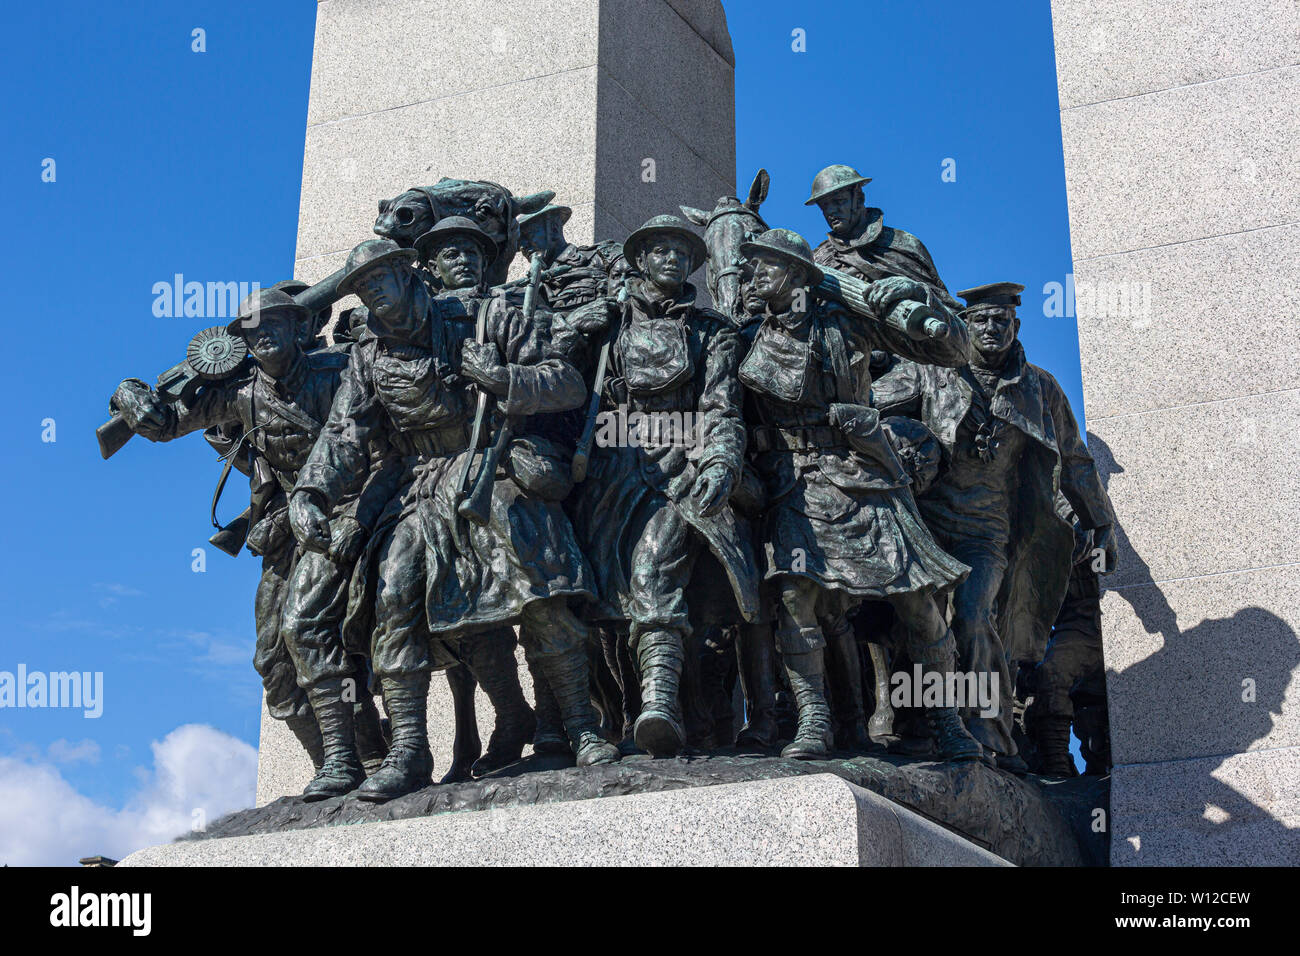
(492, 661)
(341, 771)
(1053, 734)
(812, 740)
(756, 663)
(569, 680)
(549, 737)
(952, 741)
(372, 748)
(307, 731)
(409, 763)
(658, 729)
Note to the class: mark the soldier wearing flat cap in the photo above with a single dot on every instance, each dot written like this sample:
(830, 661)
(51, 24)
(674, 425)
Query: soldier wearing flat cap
(437, 578)
(656, 499)
(572, 275)
(841, 525)
(1010, 441)
(892, 260)
(279, 407)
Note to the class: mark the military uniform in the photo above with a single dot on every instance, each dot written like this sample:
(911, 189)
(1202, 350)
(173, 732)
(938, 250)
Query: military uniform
(437, 575)
(1009, 440)
(301, 596)
(635, 514)
(840, 524)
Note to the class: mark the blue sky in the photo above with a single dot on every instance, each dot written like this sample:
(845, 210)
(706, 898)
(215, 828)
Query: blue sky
(171, 161)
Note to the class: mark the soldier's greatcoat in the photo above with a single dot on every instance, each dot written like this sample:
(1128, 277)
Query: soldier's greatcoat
(668, 358)
(433, 571)
(839, 508)
(1038, 541)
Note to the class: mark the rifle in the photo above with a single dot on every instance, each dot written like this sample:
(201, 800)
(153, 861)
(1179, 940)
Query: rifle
(916, 320)
(582, 454)
(477, 506)
(212, 355)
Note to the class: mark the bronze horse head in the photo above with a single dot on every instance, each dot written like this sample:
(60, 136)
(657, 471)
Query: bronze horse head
(729, 224)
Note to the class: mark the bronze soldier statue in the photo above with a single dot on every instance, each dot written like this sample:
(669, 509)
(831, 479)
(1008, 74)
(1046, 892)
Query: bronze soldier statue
(652, 504)
(894, 261)
(841, 525)
(440, 577)
(1007, 431)
(279, 407)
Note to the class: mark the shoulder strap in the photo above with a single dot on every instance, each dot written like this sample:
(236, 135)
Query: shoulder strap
(836, 352)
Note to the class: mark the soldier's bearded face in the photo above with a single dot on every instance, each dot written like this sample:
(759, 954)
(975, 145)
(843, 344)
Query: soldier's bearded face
(992, 331)
(381, 290)
(843, 210)
(666, 262)
(459, 263)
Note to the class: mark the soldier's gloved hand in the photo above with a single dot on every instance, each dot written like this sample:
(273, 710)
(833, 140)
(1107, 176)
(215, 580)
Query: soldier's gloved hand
(713, 489)
(139, 407)
(1103, 539)
(481, 363)
(347, 539)
(310, 525)
(885, 293)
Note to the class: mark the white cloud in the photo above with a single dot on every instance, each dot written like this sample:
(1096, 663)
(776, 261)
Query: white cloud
(198, 772)
(64, 751)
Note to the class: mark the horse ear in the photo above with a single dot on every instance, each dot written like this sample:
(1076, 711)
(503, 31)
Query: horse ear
(758, 190)
(534, 201)
(697, 216)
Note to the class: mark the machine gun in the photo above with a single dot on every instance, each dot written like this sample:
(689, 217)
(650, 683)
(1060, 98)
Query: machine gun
(916, 320)
(213, 355)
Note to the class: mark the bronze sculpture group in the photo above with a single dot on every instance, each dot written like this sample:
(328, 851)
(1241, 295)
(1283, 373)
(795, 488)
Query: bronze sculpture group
(836, 476)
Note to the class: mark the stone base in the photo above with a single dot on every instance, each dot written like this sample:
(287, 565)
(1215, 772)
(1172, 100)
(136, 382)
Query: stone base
(1026, 821)
(819, 820)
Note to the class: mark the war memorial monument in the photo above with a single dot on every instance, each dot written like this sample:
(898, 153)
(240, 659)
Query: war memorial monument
(593, 507)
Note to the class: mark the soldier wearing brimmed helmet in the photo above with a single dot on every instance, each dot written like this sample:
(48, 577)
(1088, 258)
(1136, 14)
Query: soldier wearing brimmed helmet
(1010, 441)
(278, 407)
(438, 579)
(894, 261)
(657, 498)
(840, 525)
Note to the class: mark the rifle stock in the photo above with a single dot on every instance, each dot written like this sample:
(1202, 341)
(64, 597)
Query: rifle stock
(112, 435)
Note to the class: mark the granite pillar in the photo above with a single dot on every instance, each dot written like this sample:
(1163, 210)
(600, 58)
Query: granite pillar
(1181, 140)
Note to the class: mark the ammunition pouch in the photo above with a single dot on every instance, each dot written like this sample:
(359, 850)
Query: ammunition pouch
(541, 467)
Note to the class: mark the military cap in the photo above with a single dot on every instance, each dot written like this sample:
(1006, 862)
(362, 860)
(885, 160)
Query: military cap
(368, 255)
(665, 225)
(998, 294)
(832, 179)
(456, 226)
(261, 302)
(564, 212)
(789, 245)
